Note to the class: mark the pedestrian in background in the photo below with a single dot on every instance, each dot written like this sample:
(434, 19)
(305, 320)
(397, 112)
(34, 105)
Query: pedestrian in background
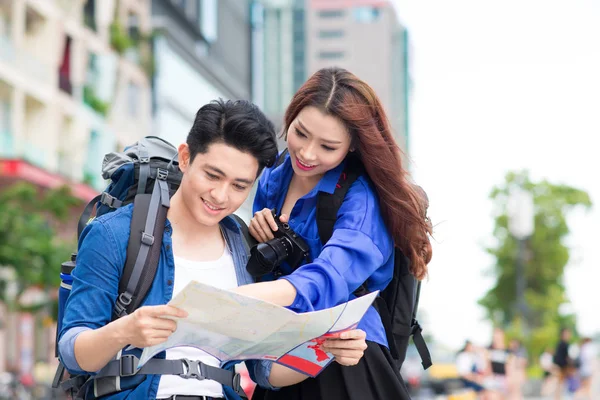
(587, 361)
(563, 361)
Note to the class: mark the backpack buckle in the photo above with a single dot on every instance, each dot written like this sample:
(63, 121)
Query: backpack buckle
(162, 174)
(237, 385)
(147, 239)
(128, 365)
(121, 304)
(193, 369)
(110, 201)
(144, 160)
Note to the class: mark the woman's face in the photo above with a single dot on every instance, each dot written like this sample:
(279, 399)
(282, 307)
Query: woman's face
(316, 142)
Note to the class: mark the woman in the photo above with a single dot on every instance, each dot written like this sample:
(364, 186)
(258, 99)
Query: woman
(499, 365)
(587, 357)
(334, 119)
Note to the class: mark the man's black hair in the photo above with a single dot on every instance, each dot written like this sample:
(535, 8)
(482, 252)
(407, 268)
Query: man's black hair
(237, 123)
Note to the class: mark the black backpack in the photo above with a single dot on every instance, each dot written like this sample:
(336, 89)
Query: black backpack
(397, 304)
(146, 174)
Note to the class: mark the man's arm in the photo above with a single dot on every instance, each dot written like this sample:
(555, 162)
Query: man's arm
(143, 328)
(88, 339)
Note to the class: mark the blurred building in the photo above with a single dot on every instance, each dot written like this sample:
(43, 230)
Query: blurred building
(73, 86)
(278, 53)
(202, 52)
(295, 38)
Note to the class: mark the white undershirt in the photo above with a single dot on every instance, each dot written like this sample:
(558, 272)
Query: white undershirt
(219, 273)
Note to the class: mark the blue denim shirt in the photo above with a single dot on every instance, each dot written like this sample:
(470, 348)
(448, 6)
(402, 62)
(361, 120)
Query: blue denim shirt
(100, 262)
(360, 250)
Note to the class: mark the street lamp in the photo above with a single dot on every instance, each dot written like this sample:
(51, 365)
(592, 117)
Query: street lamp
(521, 215)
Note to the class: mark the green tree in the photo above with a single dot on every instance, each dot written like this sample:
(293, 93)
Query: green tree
(29, 243)
(544, 265)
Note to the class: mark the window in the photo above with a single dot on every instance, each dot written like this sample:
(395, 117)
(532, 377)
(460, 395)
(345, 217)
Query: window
(64, 71)
(6, 139)
(207, 19)
(331, 34)
(366, 14)
(89, 14)
(133, 26)
(331, 55)
(331, 14)
(299, 48)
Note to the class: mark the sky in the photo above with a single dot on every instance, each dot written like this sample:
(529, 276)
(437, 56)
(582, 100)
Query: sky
(500, 86)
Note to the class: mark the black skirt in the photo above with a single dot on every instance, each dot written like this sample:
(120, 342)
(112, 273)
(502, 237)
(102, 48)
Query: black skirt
(375, 377)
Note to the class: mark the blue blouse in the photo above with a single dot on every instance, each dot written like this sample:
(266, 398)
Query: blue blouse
(360, 249)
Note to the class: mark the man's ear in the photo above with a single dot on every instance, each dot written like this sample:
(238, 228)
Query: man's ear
(183, 157)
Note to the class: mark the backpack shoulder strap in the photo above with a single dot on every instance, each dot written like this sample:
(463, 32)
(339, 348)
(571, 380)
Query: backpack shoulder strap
(328, 205)
(143, 250)
(281, 158)
(415, 331)
(248, 238)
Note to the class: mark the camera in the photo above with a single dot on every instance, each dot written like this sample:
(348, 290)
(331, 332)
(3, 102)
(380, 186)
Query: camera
(286, 246)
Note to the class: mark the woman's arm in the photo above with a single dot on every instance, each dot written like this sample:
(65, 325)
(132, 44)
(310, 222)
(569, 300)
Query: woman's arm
(279, 292)
(359, 249)
(347, 349)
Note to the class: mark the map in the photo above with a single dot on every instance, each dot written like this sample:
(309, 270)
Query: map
(230, 326)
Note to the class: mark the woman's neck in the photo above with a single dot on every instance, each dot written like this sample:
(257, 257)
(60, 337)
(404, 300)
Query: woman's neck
(304, 184)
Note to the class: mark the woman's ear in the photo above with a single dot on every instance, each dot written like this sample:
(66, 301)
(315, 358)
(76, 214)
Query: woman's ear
(183, 157)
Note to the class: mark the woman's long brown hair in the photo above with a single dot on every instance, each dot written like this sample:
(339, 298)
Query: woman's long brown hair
(341, 94)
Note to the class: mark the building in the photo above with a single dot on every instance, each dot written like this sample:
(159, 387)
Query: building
(278, 53)
(363, 36)
(73, 86)
(202, 52)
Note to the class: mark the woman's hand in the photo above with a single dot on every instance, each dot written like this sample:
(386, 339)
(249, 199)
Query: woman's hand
(150, 325)
(263, 225)
(348, 348)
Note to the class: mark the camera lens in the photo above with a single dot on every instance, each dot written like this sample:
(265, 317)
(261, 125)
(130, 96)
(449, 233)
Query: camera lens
(266, 256)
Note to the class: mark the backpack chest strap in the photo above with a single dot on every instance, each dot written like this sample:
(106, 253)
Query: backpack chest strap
(127, 366)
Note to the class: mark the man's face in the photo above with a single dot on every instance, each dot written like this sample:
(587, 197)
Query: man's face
(217, 182)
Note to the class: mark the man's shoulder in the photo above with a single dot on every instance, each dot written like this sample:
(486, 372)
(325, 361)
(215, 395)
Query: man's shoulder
(116, 222)
(119, 216)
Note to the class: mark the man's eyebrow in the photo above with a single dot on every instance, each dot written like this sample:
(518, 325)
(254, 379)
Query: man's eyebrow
(322, 139)
(220, 172)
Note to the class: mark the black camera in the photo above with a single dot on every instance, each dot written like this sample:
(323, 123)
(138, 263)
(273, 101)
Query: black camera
(286, 246)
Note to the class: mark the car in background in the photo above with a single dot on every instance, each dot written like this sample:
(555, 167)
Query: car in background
(441, 378)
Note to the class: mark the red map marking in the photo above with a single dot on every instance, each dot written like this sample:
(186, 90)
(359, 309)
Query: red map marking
(320, 354)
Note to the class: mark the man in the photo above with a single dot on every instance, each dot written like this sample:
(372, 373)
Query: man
(227, 148)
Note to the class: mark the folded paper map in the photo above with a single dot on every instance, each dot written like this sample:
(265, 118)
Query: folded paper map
(230, 326)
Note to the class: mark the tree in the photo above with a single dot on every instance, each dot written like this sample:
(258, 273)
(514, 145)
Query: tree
(29, 243)
(544, 265)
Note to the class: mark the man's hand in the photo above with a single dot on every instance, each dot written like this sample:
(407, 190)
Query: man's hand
(150, 325)
(348, 348)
